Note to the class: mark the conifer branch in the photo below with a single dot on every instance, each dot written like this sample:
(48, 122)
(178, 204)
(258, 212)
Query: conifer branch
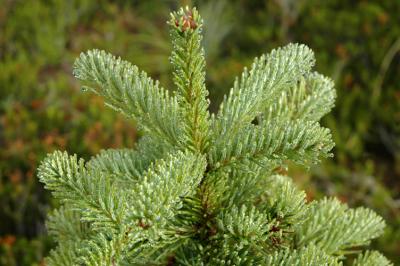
(159, 194)
(102, 250)
(66, 253)
(93, 193)
(301, 142)
(189, 75)
(125, 164)
(65, 224)
(245, 224)
(310, 99)
(241, 186)
(371, 258)
(310, 255)
(129, 164)
(261, 86)
(334, 227)
(284, 202)
(131, 92)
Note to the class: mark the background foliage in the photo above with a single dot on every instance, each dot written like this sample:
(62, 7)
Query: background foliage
(42, 109)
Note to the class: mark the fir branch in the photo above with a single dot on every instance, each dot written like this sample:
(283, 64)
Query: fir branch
(283, 201)
(242, 186)
(372, 258)
(244, 224)
(65, 254)
(102, 251)
(333, 227)
(158, 195)
(269, 76)
(310, 255)
(189, 75)
(131, 92)
(301, 142)
(227, 252)
(64, 224)
(310, 99)
(125, 164)
(157, 205)
(157, 253)
(190, 254)
(92, 193)
(242, 237)
(129, 164)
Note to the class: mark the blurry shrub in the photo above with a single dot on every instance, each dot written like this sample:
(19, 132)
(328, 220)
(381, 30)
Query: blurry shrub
(40, 104)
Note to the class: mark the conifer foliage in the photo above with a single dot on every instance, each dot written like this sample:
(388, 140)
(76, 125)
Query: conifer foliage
(202, 189)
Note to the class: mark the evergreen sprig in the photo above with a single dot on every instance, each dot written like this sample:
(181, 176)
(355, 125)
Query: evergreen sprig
(200, 189)
(189, 76)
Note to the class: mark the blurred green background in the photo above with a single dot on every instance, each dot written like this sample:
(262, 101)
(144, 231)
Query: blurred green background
(357, 43)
